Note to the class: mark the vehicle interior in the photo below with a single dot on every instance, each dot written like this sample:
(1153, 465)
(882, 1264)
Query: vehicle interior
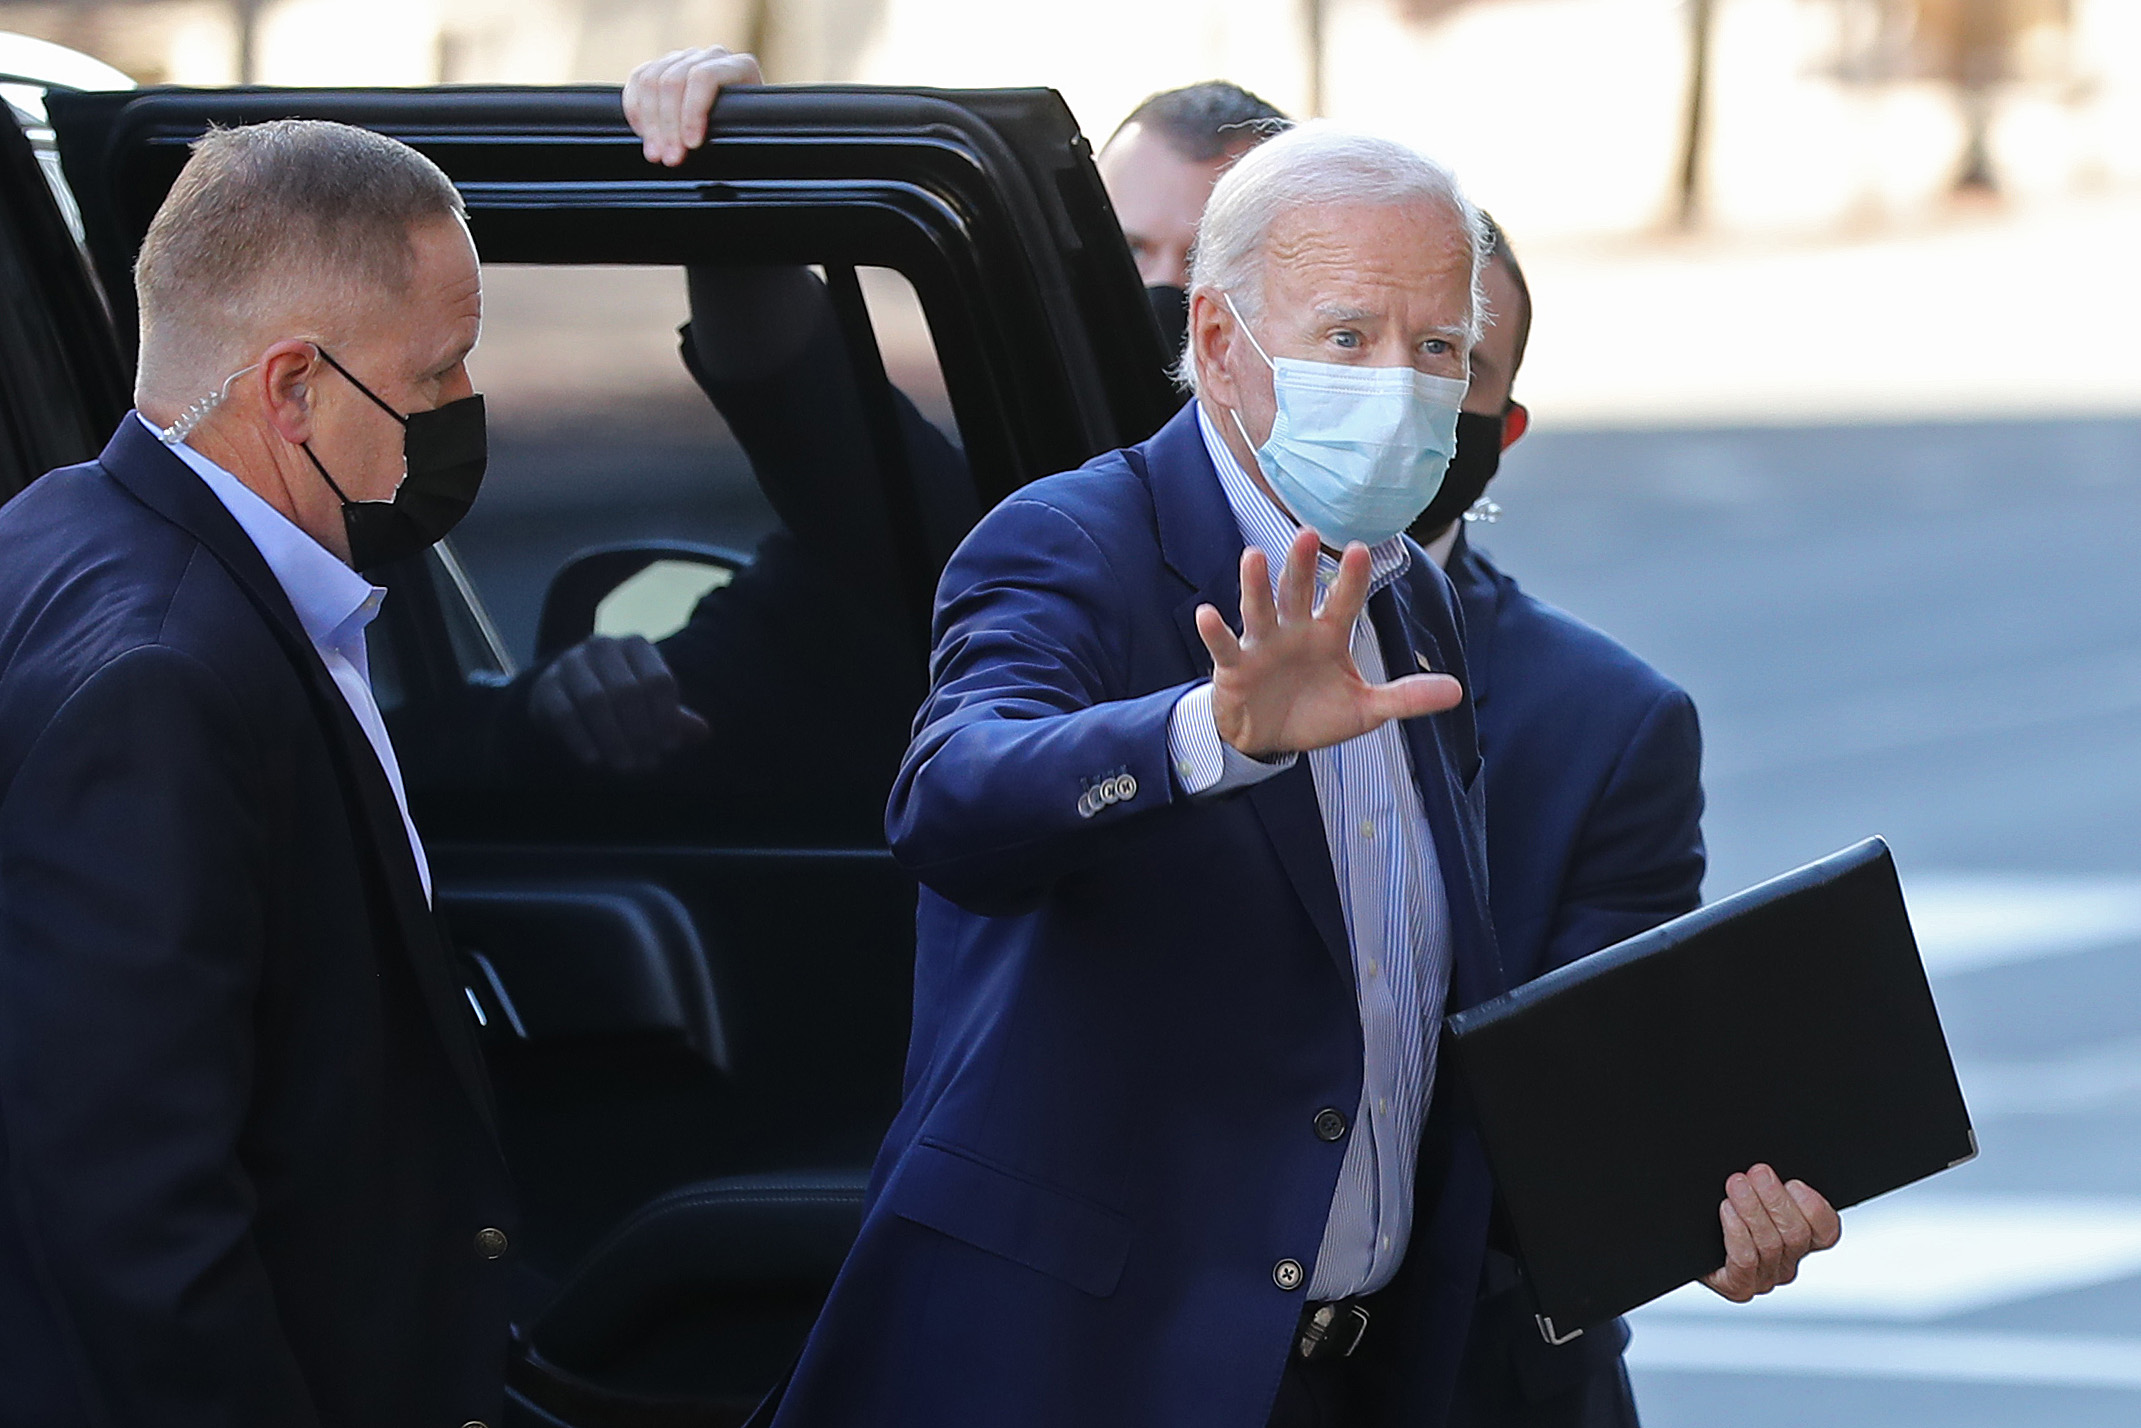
(744, 410)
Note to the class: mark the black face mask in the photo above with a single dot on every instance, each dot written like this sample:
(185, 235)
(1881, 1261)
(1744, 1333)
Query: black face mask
(1170, 312)
(1479, 455)
(445, 452)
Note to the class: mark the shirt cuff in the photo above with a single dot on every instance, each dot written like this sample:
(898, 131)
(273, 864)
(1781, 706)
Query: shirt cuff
(1205, 764)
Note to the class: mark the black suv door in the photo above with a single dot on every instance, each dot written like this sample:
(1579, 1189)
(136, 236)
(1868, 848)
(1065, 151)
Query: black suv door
(65, 383)
(693, 973)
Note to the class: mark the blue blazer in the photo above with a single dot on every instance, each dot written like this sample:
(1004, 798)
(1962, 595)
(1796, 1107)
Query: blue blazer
(1126, 1020)
(245, 1140)
(1594, 833)
(1594, 777)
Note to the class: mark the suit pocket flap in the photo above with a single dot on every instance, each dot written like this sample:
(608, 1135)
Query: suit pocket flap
(955, 1193)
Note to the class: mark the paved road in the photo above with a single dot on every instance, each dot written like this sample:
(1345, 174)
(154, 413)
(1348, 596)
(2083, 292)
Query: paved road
(1932, 633)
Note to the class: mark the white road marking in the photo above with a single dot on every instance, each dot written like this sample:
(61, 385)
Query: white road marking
(1926, 1256)
(1968, 921)
(2103, 1077)
(2067, 1361)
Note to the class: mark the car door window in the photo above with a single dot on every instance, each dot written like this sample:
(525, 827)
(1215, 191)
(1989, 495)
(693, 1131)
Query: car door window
(769, 506)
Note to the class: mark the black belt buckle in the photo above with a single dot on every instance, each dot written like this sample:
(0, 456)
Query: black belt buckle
(1333, 1330)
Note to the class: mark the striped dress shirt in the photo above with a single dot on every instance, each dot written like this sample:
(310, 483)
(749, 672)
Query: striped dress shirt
(1397, 918)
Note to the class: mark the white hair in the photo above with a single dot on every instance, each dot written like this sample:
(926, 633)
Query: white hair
(1317, 163)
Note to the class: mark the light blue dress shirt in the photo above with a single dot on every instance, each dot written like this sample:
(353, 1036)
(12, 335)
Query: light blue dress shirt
(334, 605)
(1390, 886)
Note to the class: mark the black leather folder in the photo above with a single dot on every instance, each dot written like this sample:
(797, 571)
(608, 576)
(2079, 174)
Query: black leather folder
(1790, 1024)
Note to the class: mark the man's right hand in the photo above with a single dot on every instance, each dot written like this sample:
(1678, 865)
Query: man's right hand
(614, 704)
(668, 101)
(1289, 684)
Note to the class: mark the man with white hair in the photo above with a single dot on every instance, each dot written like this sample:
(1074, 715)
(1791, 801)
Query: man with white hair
(1196, 809)
(245, 1140)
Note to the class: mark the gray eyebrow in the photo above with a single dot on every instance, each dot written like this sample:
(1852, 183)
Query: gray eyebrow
(1340, 312)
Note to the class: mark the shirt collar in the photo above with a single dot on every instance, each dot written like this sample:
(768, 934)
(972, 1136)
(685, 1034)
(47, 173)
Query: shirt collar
(1271, 530)
(1445, 545)
(334, 603)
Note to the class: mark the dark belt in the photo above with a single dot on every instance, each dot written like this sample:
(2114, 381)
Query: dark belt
(1331, 1330)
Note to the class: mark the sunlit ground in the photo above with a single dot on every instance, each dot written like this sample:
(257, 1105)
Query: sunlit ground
(1978, 313)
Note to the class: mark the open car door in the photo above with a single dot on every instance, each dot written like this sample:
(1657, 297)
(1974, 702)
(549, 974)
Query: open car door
(65, 385)
(692, 971)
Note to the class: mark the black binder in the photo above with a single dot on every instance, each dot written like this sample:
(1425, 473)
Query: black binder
(1790, 1024)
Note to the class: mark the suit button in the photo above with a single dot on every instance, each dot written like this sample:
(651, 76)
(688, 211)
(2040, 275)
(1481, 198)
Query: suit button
(475, 1423)
(1287, 1274)
(1330, 1124)
(490, 1243)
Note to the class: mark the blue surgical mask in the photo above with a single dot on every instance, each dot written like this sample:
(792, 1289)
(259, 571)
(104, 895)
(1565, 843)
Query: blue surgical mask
(1355, 452)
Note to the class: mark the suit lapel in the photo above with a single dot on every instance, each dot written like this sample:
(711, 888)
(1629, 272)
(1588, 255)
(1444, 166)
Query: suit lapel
(1202, 543)
(156, 477)
(1286, 804)
(1481, 599)
(1409, 646)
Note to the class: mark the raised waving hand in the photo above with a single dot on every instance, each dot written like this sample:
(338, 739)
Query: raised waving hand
(1288, 683)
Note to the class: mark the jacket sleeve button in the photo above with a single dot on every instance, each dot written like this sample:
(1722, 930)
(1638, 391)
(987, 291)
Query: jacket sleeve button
(1330, 1124)
(490, 1243)
(1288, 1274)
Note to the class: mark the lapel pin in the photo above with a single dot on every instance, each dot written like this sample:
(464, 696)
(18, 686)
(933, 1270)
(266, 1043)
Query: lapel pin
(1423, 662)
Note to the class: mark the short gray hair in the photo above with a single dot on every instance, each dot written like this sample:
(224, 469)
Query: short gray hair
(263, 209)
(1314, 163)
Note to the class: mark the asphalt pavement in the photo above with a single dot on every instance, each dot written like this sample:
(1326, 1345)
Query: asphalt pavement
(1930, 632)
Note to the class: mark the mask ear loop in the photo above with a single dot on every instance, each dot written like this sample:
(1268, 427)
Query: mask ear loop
(349, 377)
(1243, 323)
(306, 446)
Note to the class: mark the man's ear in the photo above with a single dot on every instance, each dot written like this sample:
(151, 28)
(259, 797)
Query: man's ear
(1516, 420)
(286, 375)
(1211, 329)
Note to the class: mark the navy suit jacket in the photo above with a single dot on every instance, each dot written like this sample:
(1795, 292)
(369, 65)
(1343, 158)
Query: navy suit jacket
(1126, 1023)
(1594, 777)
(245, 1145)
(1594, 834)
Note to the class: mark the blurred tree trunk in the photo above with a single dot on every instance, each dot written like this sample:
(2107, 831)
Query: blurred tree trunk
(1975, 47)
(1702, 26)
(1978, 63)
(246, 18)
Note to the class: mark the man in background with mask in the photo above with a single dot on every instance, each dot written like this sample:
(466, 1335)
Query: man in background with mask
(1194, 806)
(249, 1167)
(1159, 167)
(1594, 834)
